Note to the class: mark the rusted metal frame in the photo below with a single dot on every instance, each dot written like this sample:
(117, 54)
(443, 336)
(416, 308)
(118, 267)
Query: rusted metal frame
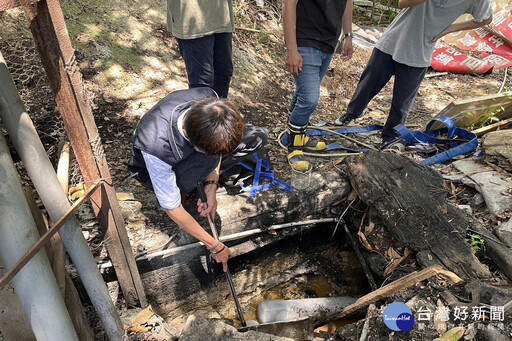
(9, 275)
(9, 4)
(57, 55)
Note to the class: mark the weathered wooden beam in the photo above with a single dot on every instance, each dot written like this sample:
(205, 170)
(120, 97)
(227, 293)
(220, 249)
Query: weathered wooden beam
(57, 55)
(492, 127)
(9, 4)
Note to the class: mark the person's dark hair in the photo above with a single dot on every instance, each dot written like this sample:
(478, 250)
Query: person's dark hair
(214, 126)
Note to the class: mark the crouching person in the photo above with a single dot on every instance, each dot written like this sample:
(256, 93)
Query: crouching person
(191, 136)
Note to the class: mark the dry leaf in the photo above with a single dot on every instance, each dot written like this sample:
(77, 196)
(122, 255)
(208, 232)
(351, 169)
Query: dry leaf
(392, 254)
(76, 195)
(79, 187)
(352, 196)
(453, 334)
(364, 241)
(138, 329)
(143, 316)
(125, 196)
(396, 262)
(369, 229)
(327, 166)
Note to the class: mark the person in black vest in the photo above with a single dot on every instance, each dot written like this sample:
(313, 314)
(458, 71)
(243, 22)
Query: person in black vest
(188, 137)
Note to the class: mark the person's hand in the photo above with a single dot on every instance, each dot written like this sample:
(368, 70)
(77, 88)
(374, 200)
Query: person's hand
(211, 204)
(294, 62)
(222, 256)
(348, 49)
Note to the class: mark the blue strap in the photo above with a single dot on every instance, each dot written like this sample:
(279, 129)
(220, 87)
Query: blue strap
(336, 146)
(448, 122)
(355, 130)
(465, 143)
(265, 173)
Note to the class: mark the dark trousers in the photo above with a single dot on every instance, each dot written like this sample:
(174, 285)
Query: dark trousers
(198, 166)
(375, 76)
(209, 61)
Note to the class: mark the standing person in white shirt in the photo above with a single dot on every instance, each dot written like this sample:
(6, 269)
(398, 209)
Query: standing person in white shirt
(405, 51)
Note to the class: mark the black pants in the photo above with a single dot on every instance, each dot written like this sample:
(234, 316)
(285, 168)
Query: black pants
(198, 166)
(375, 76)
(209, 61)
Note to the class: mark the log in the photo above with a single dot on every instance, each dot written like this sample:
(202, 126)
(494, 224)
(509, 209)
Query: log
(238, 213)
(410, 200)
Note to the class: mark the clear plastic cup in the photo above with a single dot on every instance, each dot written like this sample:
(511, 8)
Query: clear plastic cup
(300, 180)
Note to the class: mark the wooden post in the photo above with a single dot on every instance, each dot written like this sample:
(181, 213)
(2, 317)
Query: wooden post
(57, 55)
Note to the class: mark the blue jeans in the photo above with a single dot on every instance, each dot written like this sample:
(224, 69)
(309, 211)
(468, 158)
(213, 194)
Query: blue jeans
(375, 76)
(209, 61)
(307, 93)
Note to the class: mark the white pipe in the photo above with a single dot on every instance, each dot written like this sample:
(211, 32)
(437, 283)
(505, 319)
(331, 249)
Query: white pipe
(230, 237)
(35, 284)
(24, 137)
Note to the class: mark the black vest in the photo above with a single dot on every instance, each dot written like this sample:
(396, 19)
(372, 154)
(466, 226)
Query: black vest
(157, 134)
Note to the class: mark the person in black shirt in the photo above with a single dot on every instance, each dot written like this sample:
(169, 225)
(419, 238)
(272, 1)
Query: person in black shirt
(311, 29)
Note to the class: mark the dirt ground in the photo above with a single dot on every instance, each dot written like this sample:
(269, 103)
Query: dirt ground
(129, 62)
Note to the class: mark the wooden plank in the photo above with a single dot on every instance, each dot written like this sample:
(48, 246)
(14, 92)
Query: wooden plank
(47, 24)
(9, 4)
(501, 124)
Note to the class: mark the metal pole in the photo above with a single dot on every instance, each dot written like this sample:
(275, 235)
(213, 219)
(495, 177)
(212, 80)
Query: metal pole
(239, 309)
(24, 137)
(35, 284)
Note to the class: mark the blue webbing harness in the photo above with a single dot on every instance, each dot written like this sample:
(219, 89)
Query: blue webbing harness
(460, 140)
(262, 170)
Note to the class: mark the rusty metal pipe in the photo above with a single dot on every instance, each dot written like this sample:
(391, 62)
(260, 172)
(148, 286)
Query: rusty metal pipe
(24, 137)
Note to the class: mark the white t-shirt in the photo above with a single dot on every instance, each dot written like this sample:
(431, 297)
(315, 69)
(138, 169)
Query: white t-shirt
(408, 38)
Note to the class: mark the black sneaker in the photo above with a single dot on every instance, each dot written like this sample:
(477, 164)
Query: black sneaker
(343, 120)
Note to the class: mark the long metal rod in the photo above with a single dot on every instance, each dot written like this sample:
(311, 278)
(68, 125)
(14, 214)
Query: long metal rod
(228, 238)
(239, 309)
(9, 275)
